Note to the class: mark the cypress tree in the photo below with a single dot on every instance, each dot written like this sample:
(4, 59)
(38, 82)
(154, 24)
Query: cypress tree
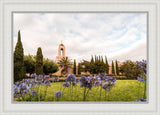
(92, 60)
(99, 59)
(92, 65)
(39, 62)
(74, 68)
(113, 72)
(96, 58)
(79, 68)
(19, 71)
(117, 69)
(102, 60)
(107, 65)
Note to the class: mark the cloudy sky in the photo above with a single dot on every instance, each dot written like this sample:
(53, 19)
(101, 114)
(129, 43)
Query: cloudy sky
(120, 36)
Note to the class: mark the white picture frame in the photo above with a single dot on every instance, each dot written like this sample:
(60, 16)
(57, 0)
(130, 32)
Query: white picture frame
(7, 7)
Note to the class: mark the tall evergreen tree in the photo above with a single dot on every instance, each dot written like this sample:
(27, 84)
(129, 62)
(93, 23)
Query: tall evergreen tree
(99, 58)
(95, 58)
(92, 60)
(102, 60)
(107, 65)
(19, 71)
(117, 68)
(74, 68)
(79, 68)
(113, 72)
(92, 65)
(39, 62)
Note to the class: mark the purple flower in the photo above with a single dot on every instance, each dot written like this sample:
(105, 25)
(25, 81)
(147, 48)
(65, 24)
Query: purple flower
(33, 75)
(107, 86)
(47, 83)
(57, 79)
(82, 81)
(71, 78)
(110, 82)
(58, 94)
(34, 92)
(85, 82)
(112, 79)
(103, 76)
(53, 79)
(46, 77)
(24, 88)
(16, 89)
(141, 100)
(28, 81)
(39, 79)
(143, 65)
(97, 83)
(65, 84)
(140, 78)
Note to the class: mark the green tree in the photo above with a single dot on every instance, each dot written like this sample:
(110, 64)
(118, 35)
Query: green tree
(39, 62)
(113, 72)
(29, 63)
(130, 69)
(79, 68)
(95, 58)
(117, 68)
(107, 65)
(92, 60)
(65, 63)
(49, 66)
(74, 68)
(99, 58)
(102, 60)
(19, 71)
(99, 67)
(92, 65)
(85, 66)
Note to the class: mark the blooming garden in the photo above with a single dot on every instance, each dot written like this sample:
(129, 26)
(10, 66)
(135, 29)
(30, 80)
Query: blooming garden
(43, 88)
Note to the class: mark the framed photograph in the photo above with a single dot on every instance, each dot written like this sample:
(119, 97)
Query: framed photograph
(79, 57)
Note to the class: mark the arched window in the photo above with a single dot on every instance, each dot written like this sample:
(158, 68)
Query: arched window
(61, 51)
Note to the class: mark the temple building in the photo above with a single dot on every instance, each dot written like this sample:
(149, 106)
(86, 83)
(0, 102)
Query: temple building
(62, 54)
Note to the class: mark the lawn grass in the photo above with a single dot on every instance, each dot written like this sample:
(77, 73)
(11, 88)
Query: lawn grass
(124, 91)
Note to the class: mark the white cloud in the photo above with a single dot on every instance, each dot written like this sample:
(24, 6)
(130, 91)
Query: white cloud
(84, 34)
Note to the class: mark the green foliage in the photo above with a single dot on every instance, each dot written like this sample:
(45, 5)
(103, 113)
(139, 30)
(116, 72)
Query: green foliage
(65, 63)
(49, 66)
(94, 67)
(85, 66)
(74, 68)
(99, 67)
(79, 68)
(130, 69)
(92, 60)
(117, 68)
(29, 63)
(125, 90)
(107, 65)
(19, 70)
(113, 72)
(39, 62)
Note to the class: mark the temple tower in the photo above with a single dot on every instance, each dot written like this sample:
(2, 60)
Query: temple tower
(61, 52)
